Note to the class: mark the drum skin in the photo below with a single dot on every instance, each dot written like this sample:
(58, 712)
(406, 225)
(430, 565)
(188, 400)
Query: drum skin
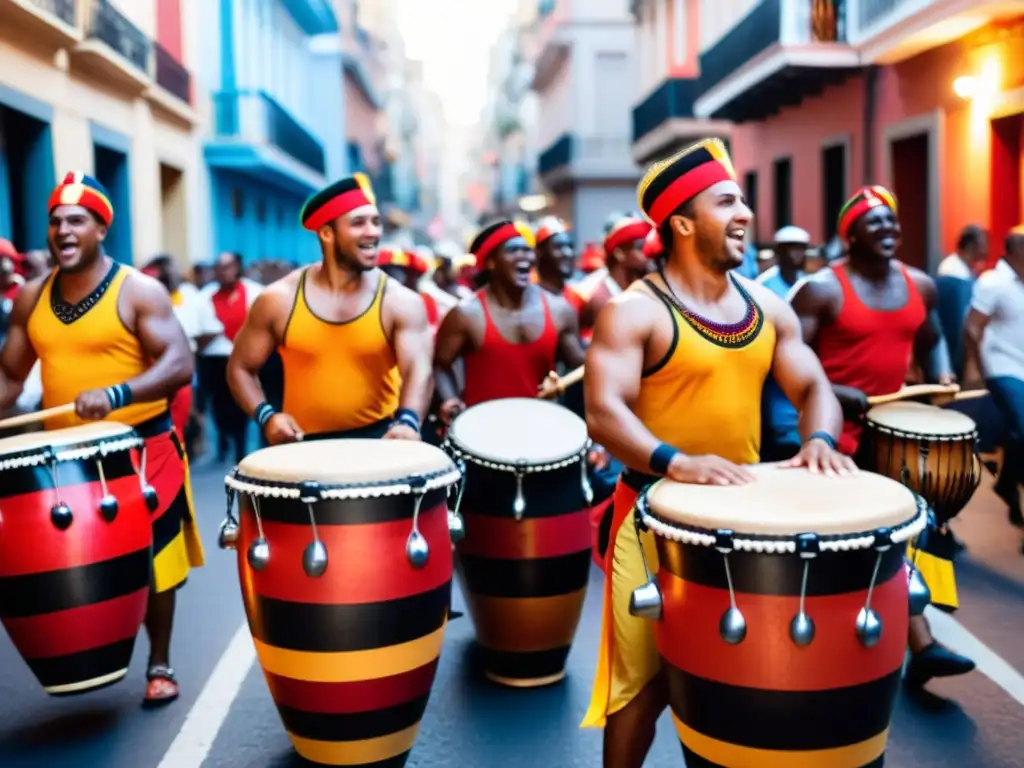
(72, 601)
(945, 470)
(766, 702)
(525, 580)
(349, 657)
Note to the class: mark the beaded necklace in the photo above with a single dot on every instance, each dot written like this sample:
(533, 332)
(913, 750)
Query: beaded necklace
(729, 335)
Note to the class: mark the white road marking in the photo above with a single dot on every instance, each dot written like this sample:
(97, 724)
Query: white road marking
(954, 634)
(195, 739)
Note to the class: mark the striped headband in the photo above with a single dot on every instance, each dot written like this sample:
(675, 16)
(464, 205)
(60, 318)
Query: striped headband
(549, 227)
(624, 231)
(79, 189)
(497, 234)
(670, 183)
(337, 199)
(863, 200)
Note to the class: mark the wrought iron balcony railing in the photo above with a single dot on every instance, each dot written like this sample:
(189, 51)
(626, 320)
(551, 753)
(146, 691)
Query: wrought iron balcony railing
(65, 10)
(256, 117)
(171, 75)
(673, 98)
(108, 25)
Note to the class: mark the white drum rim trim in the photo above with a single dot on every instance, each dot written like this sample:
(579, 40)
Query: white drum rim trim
(925, 436)
(101, 447)
(441, 478)
(525, 468)
(774, 544)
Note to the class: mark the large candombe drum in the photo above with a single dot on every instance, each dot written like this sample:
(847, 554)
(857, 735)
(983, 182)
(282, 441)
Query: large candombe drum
(525, 559)
(345, 563)
(75, 553)
(933, 451)
(784, 614)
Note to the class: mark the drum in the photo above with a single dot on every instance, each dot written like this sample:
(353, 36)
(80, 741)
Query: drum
(784, 611)
(75, 553)
(933, 451)
(345, 563)
(525, 560)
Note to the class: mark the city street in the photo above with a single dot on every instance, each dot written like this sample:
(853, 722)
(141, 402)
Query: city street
(226, 719)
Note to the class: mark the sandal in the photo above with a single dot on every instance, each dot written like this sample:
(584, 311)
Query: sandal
(162, 687)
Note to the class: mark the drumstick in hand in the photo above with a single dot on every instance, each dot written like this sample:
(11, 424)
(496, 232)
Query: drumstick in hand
(552, 387)
(36, 416)
(917, 390)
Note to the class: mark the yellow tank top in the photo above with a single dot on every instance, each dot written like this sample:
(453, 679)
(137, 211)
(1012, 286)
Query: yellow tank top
(89, 348)
(704, 396)
(338, 376)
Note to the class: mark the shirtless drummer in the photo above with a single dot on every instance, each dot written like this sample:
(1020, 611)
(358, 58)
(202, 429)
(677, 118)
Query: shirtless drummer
(107, 340)
(355, 344)
(673, 388)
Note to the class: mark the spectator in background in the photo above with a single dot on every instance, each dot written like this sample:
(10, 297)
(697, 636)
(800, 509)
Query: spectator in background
(955, 283)
(791, 246)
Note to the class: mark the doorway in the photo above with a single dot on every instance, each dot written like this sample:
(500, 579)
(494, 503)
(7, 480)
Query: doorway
(833, 187)
(112, 172)
(782, 181)
(26, 178)
(911, 182)
(1005, 180)
(172, 213)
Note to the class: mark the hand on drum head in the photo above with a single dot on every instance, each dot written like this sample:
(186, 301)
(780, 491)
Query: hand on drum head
(93, 404)
(282, 428)
(400, 431)
(820, 458)
(707, 470)
(449, 409)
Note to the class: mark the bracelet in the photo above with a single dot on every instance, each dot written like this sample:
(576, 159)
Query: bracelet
(408, 417)
(661, 458)
(263, 413)
(120, 396)
(824, 437)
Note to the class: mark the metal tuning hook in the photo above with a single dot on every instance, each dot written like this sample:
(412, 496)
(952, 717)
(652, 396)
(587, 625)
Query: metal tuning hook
(227, 538)
(801, 628)
(417, 550)
(869, 623)
(646, 601)
(456, 523)
(519, 503)
(314, 556)
(733, 625)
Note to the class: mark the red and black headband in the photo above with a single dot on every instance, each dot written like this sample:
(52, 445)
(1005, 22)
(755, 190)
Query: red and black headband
(863, 200)
(670, 183)
(497, 234)
(337, 199)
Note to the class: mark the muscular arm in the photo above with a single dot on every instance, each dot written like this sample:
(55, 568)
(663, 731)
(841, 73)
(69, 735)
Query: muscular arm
(615, 361)
(411, 337)
(163, 340)
(453, 341)
(252, 348)
(17, 356)
(930, 349)
(570, 348)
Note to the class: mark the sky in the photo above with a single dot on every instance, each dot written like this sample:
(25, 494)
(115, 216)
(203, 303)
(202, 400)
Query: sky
(453, 39)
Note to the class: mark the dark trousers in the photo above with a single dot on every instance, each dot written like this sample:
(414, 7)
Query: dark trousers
(231, 422)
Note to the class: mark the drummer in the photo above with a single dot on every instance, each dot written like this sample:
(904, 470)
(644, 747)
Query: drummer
(867, 317)
(556, 260)
(107, 340)
(673, 387)
(510, 334)
(624, 257)
(355, 344)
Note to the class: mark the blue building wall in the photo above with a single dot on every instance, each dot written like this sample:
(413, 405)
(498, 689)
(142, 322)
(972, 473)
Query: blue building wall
(278, 133)
(26, 168)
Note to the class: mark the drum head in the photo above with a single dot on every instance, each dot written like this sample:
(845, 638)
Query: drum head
(345, 462)
(921, 419)
(786, 502)
(519, 429)
(98, 431)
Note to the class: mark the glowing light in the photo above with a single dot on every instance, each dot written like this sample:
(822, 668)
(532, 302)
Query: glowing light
(966, 87)
(533, 203)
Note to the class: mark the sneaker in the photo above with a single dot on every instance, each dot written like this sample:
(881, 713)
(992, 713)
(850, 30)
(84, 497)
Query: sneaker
(935, 661)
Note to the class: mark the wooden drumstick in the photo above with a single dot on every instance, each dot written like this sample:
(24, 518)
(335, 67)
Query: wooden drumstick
(917, 390)
(36, 416)
(550, 389)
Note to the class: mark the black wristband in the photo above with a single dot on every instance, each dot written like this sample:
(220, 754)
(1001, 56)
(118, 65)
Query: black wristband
(661, 458)
(263, 413)
(824, 437)
(120, 396)
(408, 417)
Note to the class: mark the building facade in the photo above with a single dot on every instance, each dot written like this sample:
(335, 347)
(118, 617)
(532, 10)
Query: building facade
(585, 78)
(105, 87)
(923, 96)
(272, 70)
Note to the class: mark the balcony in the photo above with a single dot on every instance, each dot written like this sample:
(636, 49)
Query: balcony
(355, 70)
(172, 91)
(258, 136)
(571, 159)
(888, 31)
(112, 49)
(315, 17)
(554, 45)
(776, 56)
(53, 23)
(664, 122)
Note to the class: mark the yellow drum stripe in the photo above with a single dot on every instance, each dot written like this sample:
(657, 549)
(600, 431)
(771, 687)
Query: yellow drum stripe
(362, 752)
(351, 666)
(735, 756)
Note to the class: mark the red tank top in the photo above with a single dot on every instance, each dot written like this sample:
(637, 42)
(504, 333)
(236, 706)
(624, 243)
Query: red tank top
(869, 349)
(501, 368)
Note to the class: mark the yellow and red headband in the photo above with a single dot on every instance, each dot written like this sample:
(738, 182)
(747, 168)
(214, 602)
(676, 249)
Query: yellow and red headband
(670, 183)
(337, 199)
(863, 200)
(496, 235)
(549, 227)
(79, 189)
(393, 257)
(624, 231)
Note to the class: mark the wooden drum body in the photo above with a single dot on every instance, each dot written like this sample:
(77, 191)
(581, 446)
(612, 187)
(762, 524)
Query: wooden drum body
(933, 451)
(75, 553)
(525, 560)
(345, 564)
(784, 615)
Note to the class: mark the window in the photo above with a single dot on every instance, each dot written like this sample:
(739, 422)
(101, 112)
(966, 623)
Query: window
(750, 193)
(833, 187)
(237, 204)
(782, 172)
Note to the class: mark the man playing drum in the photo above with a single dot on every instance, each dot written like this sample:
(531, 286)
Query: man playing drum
(108, 341)
(867, 318)
(673, 388)
(510, 335)
(355, 344)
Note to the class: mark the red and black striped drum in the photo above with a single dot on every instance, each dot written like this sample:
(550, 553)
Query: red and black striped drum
(75, 553)
(524, 563)
(345, 563)
(784, 611)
